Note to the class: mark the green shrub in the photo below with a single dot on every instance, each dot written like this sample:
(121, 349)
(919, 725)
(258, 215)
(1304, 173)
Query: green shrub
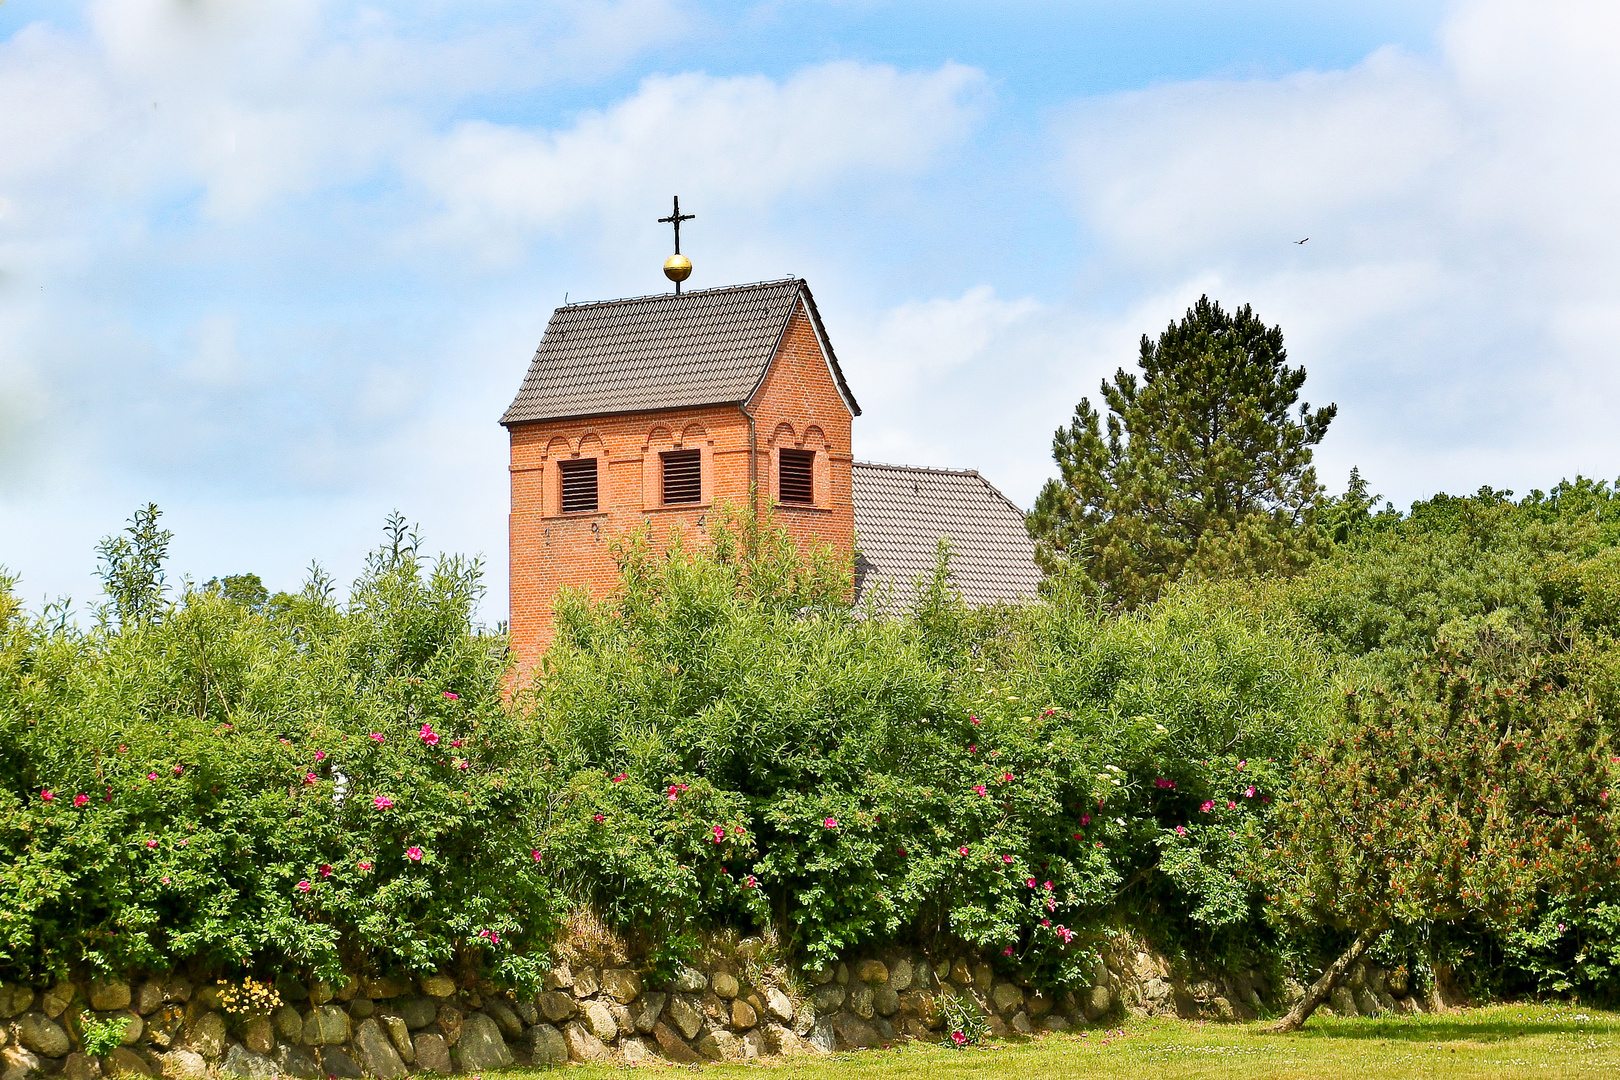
(298, 789)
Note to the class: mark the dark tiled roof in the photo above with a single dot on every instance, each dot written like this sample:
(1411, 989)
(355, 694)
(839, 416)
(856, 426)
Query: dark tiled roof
(901, 513)
(709, 347)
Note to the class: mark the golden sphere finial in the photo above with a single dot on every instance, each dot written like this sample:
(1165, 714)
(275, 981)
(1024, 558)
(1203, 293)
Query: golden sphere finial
(677, 267)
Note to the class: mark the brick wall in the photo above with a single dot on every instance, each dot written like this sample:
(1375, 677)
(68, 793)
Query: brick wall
(797, 405)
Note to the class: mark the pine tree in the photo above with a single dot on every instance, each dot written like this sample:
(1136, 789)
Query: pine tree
(1202, 470)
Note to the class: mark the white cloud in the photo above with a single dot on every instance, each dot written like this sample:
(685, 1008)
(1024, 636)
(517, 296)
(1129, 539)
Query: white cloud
(1458, 293)
(740, 141)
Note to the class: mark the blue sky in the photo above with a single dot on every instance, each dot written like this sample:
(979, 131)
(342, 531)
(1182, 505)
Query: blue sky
(279, 268)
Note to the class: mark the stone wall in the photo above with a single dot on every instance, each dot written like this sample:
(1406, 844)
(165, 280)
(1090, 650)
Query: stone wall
(733, 1004)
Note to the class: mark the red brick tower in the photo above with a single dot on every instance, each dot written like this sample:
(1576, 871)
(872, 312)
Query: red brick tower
(657, 408)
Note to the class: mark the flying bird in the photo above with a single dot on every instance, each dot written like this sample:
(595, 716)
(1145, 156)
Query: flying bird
(1301, 241)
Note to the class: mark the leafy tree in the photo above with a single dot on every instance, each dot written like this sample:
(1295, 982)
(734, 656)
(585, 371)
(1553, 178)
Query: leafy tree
(244, 589)
(1463, 797)
(132, 567)
(1202, 468)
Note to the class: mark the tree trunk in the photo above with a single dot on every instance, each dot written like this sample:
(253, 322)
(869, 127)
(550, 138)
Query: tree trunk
(1322, 987)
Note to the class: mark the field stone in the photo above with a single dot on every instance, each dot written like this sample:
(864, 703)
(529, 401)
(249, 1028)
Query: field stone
(900, 975)
(1344, 1003)
(78, 1066)
(828, 998)
(637, 1052)
(134, 1026)
(872, 971)
(17, 1063)
(689, 980)
(337, 1062)
(645, 1012)
(860, 1001)
(582, 1045)
(622, 984)
(1054, 1022)
(320, 992)
(432, 1053)
(720, 1046)
(177, 991)
(725, 984)
(289, 1025)
(207, 1035)
(376, 1052)
(779, 1004)
(417, 1012)
(600, 1021)
(208, 996)
(56, 1000)
(1006, 997)
(685, 1017)
(1021, 1024)
(38, 1032)
(183, 1065)
(1367, 1002)
(984, 976)
(556, 1005)
(259, 1035)
(753, 1045)
(298, 1062)
(505, 1019)
(1096, 1002)
(885, 1001)
(586, 982)
(481, 1045)
(362, 1007)
(346, 989)
(438, 986)
(148, 998)
(526, 1011)
(15, 1000)
(383, 989)
(743, 1015)
(547, 1046)
(853, 1031)
(843, 974)
(672, 1047)
(400, 1036)
(126, 1062)
(450, 1019)
(819, 976)
(1039, 1005)
(248, 1065)
(960, 975)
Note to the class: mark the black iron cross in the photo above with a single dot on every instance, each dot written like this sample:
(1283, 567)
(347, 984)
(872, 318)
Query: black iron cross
(675, 218)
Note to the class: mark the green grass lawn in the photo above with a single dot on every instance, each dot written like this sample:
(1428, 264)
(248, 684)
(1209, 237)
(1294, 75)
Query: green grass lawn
(1506, 1041)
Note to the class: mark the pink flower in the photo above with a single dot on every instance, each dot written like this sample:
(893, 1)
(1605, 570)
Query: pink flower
(750, 882)
(719, 833)
(599, 819)
(1181, 830)
(45, 795)
(1241, 764)
(309, 778)
(428, 735)
(980, 789)
(1006, 858)
(184, 842)
(1007, 951)
(535, 854)
(178, 769)
(1046, 922)
(326, 870)
(621, 778)
(80, 800)
(151, 843)
(902, 851)
(1006, 778)
(675, 791)
(958, 1038)
(1066, 934)
(974, 749)
(363, 867)
(455, 744)
(382, 802)
(376, 736)
(976, 721)
(830, 823)
(1161, 782)
(1209, 804)
(452, 697)
(414, 854)
(1030, 882)
(1249, 794)
(1047, 886)
(1076, 836)
(320, 755)
(962, 851)
(304, 886)
(1230, 805)
(285, 742)
(462, 764)
(1085, 819)
(165, 880)
(1051, 905)
(151, 776)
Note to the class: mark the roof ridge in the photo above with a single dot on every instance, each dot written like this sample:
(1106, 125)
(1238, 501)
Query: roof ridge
(670, 296)
(917, 468)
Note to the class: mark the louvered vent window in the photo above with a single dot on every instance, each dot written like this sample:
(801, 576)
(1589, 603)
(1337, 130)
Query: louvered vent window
(578, 485)
(683, 476)
(796, 476)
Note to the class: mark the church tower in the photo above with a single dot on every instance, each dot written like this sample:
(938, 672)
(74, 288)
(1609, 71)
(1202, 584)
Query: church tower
(657, 409)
